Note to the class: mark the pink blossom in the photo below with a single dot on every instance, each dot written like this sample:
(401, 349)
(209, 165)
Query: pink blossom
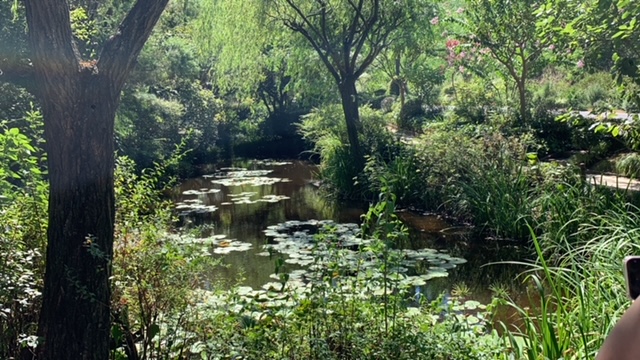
(552, 47)
(460, 10)
(580, 64)
(452, 43)
(462, 55)
(435, 21)
(461, 69)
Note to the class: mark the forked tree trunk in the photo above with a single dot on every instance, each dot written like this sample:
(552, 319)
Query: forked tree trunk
(349, 96)
(75, 317)
(79, 101)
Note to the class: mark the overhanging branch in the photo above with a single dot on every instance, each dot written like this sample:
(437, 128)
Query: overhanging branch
(120, 52)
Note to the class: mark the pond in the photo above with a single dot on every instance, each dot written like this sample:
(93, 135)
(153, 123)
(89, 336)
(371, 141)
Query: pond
(245, 206)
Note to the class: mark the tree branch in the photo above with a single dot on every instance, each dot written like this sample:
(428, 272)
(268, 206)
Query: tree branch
(366, 30)
(120, 52)
(53, 49)
(325, 59)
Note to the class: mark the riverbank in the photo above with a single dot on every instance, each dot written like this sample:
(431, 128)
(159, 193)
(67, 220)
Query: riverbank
(490, 177)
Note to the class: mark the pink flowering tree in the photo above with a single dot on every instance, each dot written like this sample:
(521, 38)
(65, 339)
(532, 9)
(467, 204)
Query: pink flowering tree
(507, 29)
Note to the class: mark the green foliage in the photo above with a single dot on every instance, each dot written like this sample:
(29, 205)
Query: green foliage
(584, 296)
(402, 174)
(628, 165)
(410, 115)
(516, 48)
(326, 129)
(154, 276)
(603, 31)
(85, 32)
(23, 213)
(471, 99)
(594, 91)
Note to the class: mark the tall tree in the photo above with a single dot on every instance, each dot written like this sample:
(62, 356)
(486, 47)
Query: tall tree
(508, 29)
(79, 98)
(347, 35)
(600, 28)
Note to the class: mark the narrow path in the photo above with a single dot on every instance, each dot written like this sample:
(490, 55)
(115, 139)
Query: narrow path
(406, 137)
(613, 181)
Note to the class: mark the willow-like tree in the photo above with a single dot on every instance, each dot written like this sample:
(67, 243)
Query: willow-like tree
(78, 98)
(347, 35)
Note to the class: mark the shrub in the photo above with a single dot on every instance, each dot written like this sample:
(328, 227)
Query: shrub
(411, 115)
(628, 165)
(326, 129)
(471, 99)
(154, 274)
(593, 91)
(23, 215)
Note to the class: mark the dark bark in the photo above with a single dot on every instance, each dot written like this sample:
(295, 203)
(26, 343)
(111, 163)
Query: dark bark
(522, 94)
(75, 318)
(79, 101)
(349, 97)
(350, 53)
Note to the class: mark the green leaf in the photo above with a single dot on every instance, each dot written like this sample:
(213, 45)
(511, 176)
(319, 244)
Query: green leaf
(154, 330)
(615, 131)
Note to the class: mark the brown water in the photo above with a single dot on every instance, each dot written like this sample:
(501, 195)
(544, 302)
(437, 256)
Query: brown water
(246, 222)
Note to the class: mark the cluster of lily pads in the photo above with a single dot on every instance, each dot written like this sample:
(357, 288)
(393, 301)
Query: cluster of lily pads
(217, 244)
(321, 249)
(194, 206)
(246, 198)
(241, 176)
(268, 162)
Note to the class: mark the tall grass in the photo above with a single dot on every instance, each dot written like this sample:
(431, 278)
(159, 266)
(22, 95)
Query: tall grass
(583, 295)
(498, 199)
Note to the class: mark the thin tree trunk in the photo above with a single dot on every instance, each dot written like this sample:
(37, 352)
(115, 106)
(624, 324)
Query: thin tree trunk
(349, 96)
(522, 93)
(400, 80)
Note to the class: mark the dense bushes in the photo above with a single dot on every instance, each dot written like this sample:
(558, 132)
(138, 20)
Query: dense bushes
(23, 215)
(325, 128)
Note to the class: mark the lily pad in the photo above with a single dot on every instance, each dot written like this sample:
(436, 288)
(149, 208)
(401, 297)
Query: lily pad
(252, 181)
(202, 191)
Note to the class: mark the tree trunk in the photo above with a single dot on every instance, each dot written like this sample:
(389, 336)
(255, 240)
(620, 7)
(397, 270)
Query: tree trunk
(349, 96)
(79, 101)
(401, 82)
(75, 319)
(522, 93)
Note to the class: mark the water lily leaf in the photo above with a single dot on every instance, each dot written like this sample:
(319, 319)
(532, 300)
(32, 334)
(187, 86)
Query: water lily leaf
(272, 286)
(412, 311)
(416, 281)
(472, 320)
(433, 275)
(471, 304)
(252, 181)
(244, 290)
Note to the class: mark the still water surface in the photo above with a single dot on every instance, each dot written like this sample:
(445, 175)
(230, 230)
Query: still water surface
(284, 191)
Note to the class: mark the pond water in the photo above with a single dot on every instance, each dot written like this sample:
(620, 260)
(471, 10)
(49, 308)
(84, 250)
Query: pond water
(239, 204)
